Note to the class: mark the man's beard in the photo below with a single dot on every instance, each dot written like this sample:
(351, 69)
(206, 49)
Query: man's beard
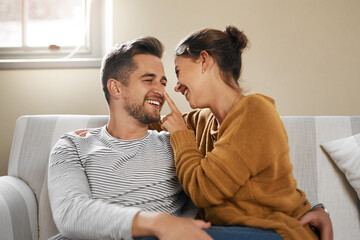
(139, 113)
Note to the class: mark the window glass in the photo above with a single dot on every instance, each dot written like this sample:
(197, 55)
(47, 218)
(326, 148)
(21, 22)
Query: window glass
(10, 23)
(53, 33)
(55, 22)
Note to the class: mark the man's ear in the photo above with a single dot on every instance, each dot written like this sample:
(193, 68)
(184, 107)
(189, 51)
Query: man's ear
(206, 60)
(113, 87)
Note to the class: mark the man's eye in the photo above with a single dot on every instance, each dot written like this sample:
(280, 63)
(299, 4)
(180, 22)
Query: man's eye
(164, 83)
(177, 72)
(148, 80)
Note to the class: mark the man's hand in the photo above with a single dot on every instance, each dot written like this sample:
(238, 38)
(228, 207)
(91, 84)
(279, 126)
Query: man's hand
(167, 227)
(174, 228)
(173, 121)
(321, 221)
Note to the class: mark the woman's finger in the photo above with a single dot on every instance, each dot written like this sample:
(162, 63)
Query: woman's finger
(171, 103)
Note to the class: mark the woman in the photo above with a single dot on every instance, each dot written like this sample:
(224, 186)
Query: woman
(234, 161)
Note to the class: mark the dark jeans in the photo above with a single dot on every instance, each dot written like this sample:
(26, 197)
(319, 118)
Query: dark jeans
(235, 233)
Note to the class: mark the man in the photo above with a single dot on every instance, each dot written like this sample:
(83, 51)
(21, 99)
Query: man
(96, 192)
(119, 181)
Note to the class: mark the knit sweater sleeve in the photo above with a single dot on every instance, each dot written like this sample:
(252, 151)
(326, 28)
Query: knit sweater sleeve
(76, 214)
(249, 140)
(192, 119)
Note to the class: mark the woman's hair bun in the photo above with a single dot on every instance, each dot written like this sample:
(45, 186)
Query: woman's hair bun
(237, 37)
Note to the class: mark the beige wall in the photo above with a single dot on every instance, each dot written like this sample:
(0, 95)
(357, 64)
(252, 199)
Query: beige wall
(305, 54)
(45, 92)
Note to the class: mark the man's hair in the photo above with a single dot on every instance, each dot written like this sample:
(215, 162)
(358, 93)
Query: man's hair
(119, 64)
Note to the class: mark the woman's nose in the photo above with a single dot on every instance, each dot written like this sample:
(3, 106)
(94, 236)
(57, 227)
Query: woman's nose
(178, 87)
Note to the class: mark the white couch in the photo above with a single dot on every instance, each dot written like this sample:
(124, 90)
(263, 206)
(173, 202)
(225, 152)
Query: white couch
(24, 204)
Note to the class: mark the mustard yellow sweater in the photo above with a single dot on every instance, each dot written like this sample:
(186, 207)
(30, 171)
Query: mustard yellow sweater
(240, 174)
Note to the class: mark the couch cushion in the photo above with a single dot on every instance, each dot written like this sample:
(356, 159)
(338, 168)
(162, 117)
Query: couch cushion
(18, 219)
(317, 174)
(346, 154)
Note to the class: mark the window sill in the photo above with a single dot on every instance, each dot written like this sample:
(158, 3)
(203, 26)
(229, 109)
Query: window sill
(50, 63)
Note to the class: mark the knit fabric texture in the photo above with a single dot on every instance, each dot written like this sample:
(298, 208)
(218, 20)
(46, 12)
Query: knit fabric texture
(241, 174)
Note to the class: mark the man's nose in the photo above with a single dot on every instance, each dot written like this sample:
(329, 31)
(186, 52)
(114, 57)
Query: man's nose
(159, 89)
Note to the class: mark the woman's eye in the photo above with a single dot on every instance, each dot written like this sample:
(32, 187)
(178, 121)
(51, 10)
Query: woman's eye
(164, 83)
(177, 72)
(148, 80)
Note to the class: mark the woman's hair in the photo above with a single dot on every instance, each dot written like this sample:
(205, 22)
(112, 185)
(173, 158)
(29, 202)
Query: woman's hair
(226, 47)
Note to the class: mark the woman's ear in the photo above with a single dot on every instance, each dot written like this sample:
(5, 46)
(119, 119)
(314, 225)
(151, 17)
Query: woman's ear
(206, 60)
(114, 88)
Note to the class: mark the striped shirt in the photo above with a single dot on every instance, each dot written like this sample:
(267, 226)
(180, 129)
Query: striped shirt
(97, 183)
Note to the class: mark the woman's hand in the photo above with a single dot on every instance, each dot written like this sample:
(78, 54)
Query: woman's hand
(174, 120)
(319, 219)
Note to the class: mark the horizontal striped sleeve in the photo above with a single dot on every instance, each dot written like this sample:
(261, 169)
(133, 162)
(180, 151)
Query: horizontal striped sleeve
(76, 214)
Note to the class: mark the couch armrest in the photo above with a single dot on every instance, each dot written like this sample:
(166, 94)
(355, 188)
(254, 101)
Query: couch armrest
(18, 210)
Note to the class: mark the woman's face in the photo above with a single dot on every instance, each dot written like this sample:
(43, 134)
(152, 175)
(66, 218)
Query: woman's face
(191, 81)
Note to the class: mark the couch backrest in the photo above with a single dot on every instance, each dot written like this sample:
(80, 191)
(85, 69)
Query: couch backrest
(33, 140)
(317, 174)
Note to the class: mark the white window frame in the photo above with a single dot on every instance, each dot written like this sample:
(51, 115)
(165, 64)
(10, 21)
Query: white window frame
(88, 56)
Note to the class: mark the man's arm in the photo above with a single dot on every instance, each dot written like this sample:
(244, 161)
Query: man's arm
(75, 212)
(78, 215)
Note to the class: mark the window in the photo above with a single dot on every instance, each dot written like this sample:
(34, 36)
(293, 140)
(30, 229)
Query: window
(51, 33)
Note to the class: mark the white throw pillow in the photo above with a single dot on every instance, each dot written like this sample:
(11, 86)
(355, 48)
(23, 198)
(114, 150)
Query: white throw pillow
(345, 153)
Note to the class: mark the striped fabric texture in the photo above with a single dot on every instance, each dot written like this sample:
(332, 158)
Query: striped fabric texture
(97, 183)
(35, 136)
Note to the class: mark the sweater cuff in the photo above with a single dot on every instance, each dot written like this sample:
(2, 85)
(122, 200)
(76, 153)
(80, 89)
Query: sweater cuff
(314, 205)
(182, 138)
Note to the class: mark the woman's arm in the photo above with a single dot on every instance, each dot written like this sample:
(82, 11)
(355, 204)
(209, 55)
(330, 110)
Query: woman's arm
(207, 179)
(191, 119)
(210, 178)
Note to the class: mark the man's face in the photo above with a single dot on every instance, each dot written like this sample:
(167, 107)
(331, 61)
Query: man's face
(143, 95)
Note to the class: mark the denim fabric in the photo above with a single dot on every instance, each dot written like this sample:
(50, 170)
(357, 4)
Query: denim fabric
(235, 233)
(239, 233)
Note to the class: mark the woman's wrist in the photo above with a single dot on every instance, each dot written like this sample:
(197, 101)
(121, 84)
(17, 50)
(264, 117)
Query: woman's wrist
(320, 206)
